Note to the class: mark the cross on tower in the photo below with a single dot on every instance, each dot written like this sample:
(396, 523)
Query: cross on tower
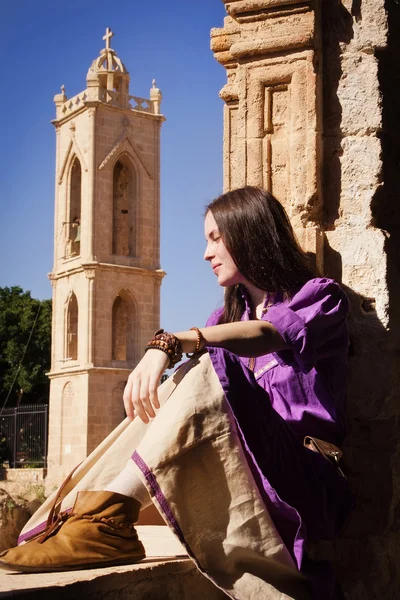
(107, 37)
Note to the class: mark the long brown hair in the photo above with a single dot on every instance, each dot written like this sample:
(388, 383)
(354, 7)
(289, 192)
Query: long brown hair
(258, 235)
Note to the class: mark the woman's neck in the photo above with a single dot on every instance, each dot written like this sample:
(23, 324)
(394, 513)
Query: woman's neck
(257, 298)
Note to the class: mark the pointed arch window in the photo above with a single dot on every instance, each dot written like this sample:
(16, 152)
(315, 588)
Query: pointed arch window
(124, 209)
(122, 328)
(75, 201)
(71, 349)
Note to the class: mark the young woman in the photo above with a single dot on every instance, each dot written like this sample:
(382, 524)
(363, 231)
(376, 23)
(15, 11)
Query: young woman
(219, 448)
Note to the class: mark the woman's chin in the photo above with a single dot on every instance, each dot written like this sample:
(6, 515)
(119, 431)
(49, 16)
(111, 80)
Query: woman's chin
(226, 282)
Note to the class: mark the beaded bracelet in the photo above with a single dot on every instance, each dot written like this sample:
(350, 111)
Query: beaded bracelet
(167, 343)
(200, 338)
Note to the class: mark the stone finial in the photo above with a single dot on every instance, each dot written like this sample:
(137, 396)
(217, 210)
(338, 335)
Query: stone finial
(108, 59)
(155, 97)
(107, 37)
(108, 78)
(59, 100)
(61, 97)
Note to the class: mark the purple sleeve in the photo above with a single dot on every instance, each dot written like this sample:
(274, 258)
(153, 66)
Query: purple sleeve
(214, 317)
(313, 324)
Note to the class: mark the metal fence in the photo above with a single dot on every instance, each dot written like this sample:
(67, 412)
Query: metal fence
(23, 436)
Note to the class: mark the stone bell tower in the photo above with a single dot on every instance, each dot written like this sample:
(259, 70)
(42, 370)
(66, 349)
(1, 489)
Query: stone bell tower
(106, 276)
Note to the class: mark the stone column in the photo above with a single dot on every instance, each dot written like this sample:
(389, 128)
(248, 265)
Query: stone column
(311, 113)
(271, 52)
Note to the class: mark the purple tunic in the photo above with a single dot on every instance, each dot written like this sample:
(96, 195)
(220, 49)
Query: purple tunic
(305, 386)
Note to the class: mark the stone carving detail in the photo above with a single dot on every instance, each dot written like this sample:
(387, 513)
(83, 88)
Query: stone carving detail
(89, 273)
(67, 393)
(73, 147)
(65, 161)
(124, 144)
(142, 104)
(272, 132)
(275, 147)
(74, 103)
(115, 148)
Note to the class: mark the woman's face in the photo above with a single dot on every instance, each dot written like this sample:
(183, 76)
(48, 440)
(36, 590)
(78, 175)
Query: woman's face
(216, 252)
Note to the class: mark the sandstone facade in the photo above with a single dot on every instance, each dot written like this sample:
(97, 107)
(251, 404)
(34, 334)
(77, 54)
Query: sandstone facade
(106, 276)
(310, 115)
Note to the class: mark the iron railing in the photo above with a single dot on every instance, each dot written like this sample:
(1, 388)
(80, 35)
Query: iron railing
(23, 436)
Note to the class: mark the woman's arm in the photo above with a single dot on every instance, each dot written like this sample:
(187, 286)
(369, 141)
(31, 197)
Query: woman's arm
(245, 338)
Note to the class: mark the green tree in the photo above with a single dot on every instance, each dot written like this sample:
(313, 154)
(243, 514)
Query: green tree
(18, 312)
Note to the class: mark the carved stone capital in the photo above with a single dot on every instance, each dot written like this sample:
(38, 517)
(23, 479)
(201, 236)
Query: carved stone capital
(229, 93)
(159, 274)
(253, 10)
(91, 106)
(263, 30)
(90, 272)
(52, 279)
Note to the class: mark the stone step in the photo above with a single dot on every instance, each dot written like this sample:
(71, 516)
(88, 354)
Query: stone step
(166, 574)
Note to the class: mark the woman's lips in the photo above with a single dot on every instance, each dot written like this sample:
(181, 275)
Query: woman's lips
(215, 267)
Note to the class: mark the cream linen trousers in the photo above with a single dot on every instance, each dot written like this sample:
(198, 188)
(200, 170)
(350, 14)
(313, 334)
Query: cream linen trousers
(192, 463)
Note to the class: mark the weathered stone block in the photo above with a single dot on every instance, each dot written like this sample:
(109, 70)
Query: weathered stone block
(359, 95)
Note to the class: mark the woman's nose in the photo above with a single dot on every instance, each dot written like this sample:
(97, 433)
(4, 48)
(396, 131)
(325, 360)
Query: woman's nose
(208, 254)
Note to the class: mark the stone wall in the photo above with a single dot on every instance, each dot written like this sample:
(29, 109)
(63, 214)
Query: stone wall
(22, 491)
(311, 114)
(23, 483)
(361, 139)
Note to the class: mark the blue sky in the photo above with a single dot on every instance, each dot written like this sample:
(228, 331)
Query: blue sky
(46, 44)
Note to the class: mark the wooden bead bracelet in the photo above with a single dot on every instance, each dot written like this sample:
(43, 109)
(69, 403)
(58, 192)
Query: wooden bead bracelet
(200, 339)
(168, 343)
(171, 346)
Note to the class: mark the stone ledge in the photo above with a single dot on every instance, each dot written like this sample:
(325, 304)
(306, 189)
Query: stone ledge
(166, 574)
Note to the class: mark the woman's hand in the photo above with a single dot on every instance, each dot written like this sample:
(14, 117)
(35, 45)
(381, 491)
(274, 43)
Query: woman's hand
(140, 394)
(244, 338)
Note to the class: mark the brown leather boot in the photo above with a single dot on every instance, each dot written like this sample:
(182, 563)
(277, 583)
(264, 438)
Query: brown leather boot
(99, 532)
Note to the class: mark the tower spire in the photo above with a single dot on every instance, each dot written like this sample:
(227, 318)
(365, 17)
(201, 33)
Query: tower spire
(109, 73)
